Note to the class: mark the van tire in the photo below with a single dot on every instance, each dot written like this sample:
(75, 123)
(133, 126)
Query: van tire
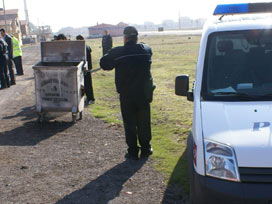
(192, 195)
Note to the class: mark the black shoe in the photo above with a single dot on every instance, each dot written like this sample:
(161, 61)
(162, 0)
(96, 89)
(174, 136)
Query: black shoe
(131, 156)
(13, 83)
(20, 74)
(90, 102)
(146, 153)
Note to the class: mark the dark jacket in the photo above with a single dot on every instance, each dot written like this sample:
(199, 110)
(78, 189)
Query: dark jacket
(132, 64)
(89, 57)
(3, 51)
(106, 43)
(8, 40)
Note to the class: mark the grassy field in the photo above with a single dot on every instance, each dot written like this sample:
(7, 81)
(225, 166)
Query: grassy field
(171, 114)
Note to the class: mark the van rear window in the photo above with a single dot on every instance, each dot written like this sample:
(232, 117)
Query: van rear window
(238, 66)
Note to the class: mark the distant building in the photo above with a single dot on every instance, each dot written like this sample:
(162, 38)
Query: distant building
(114, 30)
(12, 22)
(73, 32)
(45, 33)
(188, 23)
(24, 28)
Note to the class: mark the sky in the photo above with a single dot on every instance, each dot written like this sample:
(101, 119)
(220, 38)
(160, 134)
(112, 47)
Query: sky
(79, 13)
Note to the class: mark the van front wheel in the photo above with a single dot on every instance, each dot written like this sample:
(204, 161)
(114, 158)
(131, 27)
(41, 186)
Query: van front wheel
(192, 194)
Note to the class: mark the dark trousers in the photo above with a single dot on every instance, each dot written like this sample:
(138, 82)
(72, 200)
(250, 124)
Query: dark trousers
(18, 65)
(11, 72)
(136, 119)
(4, 75)
(105, 50)
(88, 86)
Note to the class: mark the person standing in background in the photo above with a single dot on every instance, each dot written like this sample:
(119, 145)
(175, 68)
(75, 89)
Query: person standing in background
(8, 40)
(88, 84)
(61, 37)
(17, 56)
(4, 79)
(106, 42)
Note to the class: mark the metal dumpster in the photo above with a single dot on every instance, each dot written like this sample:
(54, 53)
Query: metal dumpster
(59, 78)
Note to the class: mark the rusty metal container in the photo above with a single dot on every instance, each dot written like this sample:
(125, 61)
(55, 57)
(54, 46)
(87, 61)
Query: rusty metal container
(59, 78)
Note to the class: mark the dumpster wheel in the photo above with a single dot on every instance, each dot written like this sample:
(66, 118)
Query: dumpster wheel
(74, 117)
(80, 115)
(40, 117)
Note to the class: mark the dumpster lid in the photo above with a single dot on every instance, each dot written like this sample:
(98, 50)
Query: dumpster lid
(63, 51)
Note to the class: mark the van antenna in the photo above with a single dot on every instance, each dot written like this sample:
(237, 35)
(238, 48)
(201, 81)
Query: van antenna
(220, 19)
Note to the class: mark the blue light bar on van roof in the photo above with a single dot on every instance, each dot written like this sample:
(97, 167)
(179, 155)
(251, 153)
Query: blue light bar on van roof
(225, 9)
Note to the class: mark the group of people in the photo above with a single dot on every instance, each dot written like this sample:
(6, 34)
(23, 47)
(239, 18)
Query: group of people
(134, 83)
(10, 54)
(133, 80)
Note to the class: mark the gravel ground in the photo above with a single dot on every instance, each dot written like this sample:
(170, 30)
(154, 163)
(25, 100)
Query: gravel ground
(64, 163)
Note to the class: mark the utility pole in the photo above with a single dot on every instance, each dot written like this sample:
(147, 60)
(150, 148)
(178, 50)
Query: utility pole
(5, 15)
(27, 18)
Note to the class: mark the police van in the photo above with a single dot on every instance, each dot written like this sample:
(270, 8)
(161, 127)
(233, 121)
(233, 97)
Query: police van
(230, 145)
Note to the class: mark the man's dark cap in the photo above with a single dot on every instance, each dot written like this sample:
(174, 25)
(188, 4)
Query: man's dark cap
(130, 31)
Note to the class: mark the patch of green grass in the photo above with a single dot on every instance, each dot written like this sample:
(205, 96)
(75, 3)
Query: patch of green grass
(171, 114)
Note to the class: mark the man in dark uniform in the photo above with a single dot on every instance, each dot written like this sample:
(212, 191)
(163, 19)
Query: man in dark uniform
(132, 63)
(3, 65)
(106, 42)
(8, 40)
(88, 77)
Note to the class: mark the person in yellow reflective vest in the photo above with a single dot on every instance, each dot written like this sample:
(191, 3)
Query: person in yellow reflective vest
(17, 56)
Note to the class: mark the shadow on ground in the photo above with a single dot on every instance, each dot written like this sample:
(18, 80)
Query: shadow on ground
(106, 187)
(178, 187)
(28, 78)
(25, 113)
(31, 132)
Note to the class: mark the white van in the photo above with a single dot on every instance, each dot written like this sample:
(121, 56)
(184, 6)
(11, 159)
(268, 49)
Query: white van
(230, 145)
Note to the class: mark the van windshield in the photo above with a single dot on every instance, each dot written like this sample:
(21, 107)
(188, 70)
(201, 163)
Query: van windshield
(238, 66)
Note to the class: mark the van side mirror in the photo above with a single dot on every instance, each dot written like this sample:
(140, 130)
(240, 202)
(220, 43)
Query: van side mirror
(182, 87)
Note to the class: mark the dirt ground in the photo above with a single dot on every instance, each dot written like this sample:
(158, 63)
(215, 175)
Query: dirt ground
(64, 163)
